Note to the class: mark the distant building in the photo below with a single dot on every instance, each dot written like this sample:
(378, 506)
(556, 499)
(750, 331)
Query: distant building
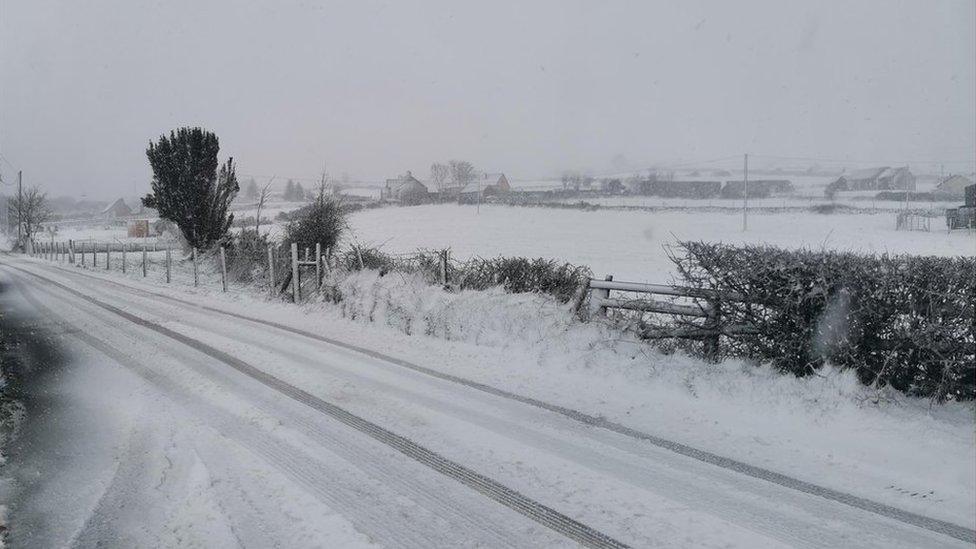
(760, 188)
(954, 185)
(489, 184)
(116, 210)
(405, 189)
(494, 183)
(874, 179)
(685, 189)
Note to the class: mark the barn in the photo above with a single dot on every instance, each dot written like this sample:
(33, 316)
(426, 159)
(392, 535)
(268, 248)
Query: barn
(760, 188)
(685, 189)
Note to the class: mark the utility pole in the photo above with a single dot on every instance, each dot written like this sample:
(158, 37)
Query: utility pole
(745, 193)
(20, 201)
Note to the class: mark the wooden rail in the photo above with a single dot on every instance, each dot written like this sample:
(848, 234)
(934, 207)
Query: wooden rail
(704, 303)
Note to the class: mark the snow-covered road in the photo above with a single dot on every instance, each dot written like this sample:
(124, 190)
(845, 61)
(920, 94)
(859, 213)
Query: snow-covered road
(174, 425)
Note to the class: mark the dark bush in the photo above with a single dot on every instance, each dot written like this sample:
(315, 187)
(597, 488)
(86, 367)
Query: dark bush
(358, 258)
(519, 274)
(321, 222)
(902, 321)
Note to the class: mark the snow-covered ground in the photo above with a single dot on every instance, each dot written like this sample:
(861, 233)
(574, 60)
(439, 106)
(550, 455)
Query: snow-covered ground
(825, 429)
(631, 244)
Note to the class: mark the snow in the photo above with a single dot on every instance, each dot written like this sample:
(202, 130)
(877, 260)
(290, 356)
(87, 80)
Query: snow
(631, 245)
(824, 429)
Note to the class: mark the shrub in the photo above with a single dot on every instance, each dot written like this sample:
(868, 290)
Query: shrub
(321, 222)
(247, 256)
(515, 274)
(370, 258)
(519, 275)
(902, 321)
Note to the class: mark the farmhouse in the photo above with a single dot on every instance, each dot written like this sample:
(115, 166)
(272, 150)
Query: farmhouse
(406, 189)
(954, 185)
(116, 210)
(488, 184)
(494, 183)
(874, 179)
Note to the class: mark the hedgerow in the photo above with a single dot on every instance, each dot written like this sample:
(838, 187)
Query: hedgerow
(898, 320)
(563, 281)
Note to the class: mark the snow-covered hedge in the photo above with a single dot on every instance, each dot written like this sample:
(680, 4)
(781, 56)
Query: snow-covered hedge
(563, 281)
(898, 320)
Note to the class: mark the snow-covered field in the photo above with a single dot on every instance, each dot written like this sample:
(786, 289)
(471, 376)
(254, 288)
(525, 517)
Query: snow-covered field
(631, 244)
(100, 233)
(795, 202)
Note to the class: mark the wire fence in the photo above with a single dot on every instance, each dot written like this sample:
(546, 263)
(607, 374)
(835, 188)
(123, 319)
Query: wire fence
(282, 270)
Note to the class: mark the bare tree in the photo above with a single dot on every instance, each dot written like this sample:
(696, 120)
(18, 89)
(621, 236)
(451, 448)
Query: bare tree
(462, 173)
(439, 174)
(575, 180)
(29, 210)
(265, 192)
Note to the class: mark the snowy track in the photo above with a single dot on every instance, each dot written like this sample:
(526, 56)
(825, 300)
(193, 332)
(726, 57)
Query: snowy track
(244, 434)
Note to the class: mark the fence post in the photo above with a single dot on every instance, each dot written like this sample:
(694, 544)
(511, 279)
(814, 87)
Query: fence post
(271, 273)
(713, 322)
(271, 280)
(597, 309)
(71, 251)
(443, 262)
(296, 292)
(108, 256)
(94, 255)
(196, 276)
(318, 265)
(167, 264)
(143, 260)
(123, 258)
(83, 254)
(223, 268)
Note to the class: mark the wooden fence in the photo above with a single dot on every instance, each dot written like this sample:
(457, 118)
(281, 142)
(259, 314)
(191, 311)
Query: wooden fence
(698, 303)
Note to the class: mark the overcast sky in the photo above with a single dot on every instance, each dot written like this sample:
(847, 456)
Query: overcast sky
(527, 88)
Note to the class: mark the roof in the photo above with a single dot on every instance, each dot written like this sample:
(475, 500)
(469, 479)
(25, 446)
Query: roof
(492, 178)
(485, 180)
(866, 173)
(114, 206)
(957, 182)
(403, 181)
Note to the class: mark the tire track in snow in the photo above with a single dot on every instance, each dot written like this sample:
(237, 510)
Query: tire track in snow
(934, 525)
(339, 490)
(508, 497)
